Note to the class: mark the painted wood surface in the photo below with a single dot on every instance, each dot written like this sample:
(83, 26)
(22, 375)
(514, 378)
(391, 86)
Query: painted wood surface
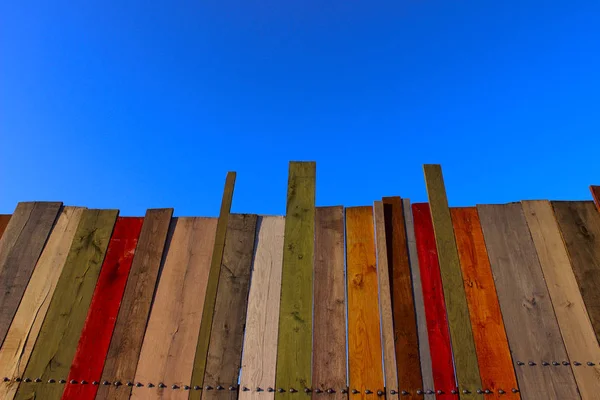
(4, 218)
(102, 314)
(596, 195)
(225, 347)
(294, 348)
(20, 248)
(435, 306)
(575, 326)
(531, 326)
(405, 324)
(55, 348)
(167, 355)
(126, 343)
(26, 325)
(423, 335)
(364, 340)
(385, 305)
(493, 353)
(262, 319)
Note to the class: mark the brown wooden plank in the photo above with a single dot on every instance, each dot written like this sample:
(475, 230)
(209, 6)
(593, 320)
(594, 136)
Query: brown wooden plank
(531, 326)
(596, 195)
(4, 218)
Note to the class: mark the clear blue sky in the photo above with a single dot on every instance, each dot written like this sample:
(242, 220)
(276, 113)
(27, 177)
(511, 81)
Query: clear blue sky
(138, 104)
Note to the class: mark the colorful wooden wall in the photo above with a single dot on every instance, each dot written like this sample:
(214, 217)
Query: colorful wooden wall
(391, 300)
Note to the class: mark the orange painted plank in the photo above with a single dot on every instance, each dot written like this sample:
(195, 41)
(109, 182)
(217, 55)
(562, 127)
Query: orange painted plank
(4, 218)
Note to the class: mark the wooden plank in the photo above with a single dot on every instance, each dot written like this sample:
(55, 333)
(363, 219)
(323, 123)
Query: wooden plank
(364, 340)
(579, 223)
(126, 342)
(531, 326)
(225, 347)
(295, 313)
(102, 315)
(435, 305)
(575, 326)
(461, 334)
(57, 342)
(493, 353)
(423, 335)
(596, 195)
(262, 320)
(20, 249)
(26, 325)
(167, 355)
(4, 218)
(405, 323)
(385, 304)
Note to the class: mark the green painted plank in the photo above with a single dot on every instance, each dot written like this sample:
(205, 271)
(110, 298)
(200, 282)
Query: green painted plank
(57, 342)
(461, 335)
(294, 347)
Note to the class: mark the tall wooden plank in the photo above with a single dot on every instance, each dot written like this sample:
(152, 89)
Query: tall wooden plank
(20, 248)
(461, 334)
(364, 340)
(57, 342)
(405, 324)
(493, 353)
(26, 325)
(4, 218)
(423, 335)
(102, 315)
(596, 195)
(167, 355)
(575, 326)
(294, 348)
(262, 320)
(225, 347)
(531, 327)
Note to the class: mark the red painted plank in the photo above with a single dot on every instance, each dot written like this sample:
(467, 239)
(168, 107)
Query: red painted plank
(102, 315)
(596, 194)
(435, 306)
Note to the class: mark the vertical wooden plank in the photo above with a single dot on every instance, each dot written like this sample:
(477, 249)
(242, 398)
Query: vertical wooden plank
(126, 342)
(225, 347)
(167, 355)
(435, 306)
(364, 340)
(294, 347)
(260, 340)
(596, 195)
(4, 218)
(26, 325)
(102, 315)
(493, 353)
(54, 350)
(423, 335)
(531, 327)
(461, 334)
(20, 249)
(575, 326)
(405, 324)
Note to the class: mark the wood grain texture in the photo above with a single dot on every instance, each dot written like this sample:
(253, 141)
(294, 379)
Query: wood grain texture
(405, 323)
(295, 314)
(102, 314)
(461, 334)
(26, 325)
(20, 248)
(167, 354)
(435, 306)
(225, 347)
(364, 340)
(423, 335)
(126, 343)
(575, 326)
(329, 329)
(579, 223)
(493, 353)
(262, 319)
(4, 218)
(596, 195)
(57, 342)
(531, 327)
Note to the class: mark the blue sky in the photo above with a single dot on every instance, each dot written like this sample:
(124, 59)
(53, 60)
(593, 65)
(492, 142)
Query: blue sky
(138, 104)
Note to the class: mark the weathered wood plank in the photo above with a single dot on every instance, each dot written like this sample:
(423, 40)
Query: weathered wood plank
(596, 195)
(4, 218)
(531, 327)
(57, 342)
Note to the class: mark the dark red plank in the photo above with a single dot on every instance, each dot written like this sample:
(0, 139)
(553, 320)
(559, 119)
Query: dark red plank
(596, 194)
(435, 306)
(102, 315)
